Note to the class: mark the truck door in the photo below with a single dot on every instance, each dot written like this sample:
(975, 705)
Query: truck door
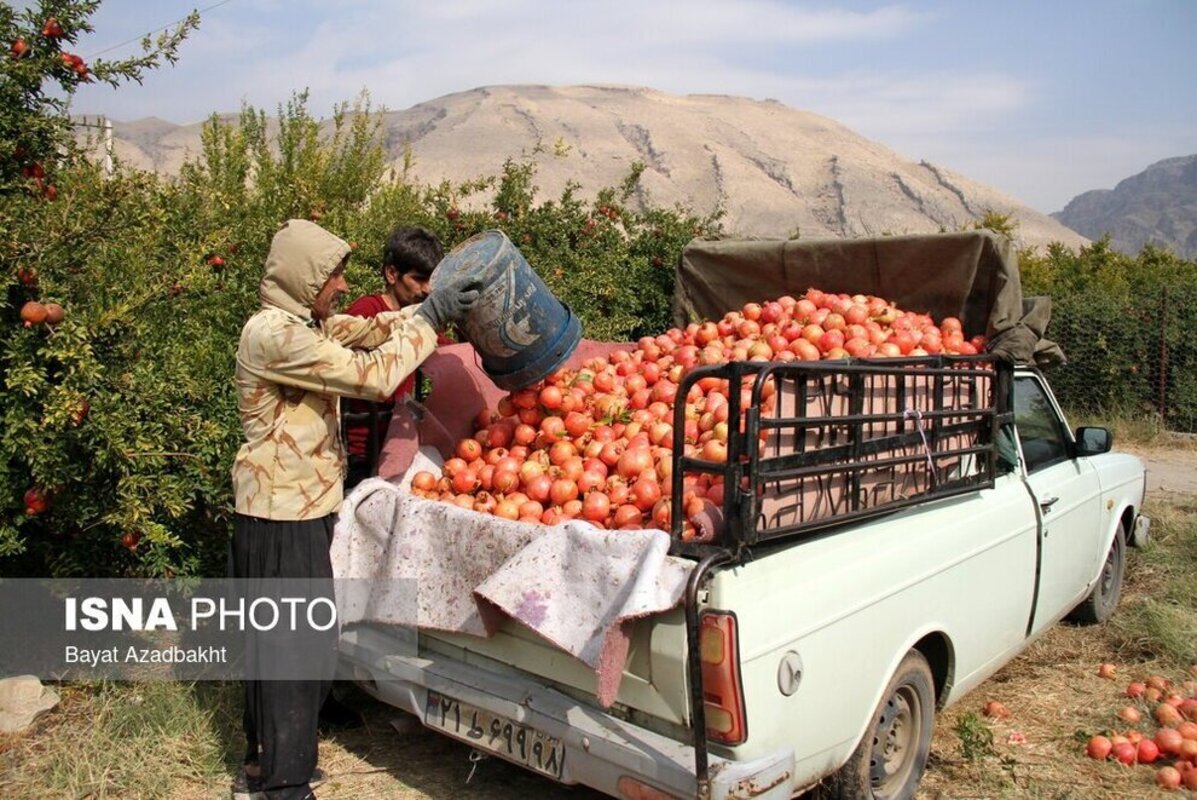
(1067, 491)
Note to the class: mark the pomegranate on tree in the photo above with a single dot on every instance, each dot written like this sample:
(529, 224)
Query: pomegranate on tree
(33, 313)
(36, 501)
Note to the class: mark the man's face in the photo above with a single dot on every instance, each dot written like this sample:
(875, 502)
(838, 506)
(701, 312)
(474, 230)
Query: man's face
(329, 298)
(406, 289)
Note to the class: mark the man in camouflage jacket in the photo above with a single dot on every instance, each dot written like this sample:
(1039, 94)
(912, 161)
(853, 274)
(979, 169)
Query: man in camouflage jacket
(295, 361)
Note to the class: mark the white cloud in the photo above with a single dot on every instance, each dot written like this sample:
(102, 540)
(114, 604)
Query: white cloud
(407, 52)
(971, 119)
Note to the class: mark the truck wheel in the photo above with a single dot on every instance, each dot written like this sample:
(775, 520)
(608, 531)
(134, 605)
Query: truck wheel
(1101, 602)
(889, 761)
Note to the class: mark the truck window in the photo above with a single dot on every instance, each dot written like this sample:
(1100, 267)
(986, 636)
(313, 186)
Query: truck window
(1038, 425)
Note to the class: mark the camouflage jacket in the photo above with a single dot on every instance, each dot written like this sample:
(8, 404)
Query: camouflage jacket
(292, 372)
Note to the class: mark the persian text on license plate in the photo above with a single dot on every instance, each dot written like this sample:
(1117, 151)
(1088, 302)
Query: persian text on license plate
(495, 733)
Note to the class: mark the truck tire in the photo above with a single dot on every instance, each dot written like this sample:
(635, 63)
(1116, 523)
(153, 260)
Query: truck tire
(1101, 602)
(889, 761)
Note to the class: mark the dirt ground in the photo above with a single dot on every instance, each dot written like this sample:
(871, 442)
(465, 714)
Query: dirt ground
(1169, 470)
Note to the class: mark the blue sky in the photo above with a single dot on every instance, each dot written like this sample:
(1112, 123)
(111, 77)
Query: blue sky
(1042, 100)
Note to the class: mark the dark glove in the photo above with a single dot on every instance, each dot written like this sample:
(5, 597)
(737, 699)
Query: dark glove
(450, 302)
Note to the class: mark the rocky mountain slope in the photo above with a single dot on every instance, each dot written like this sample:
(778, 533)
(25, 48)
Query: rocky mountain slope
(1157, 206)
(774, 170)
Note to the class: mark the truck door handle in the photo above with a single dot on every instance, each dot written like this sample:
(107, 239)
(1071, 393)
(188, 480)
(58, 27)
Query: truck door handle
(1046, 505)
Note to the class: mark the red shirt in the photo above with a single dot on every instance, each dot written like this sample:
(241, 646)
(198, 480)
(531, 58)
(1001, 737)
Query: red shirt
(358, 435)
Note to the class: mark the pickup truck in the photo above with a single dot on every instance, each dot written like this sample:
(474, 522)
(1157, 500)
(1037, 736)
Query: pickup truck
(820, 656)
(815, 642)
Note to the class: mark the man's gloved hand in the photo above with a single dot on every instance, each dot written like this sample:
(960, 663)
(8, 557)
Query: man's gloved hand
(450, 302)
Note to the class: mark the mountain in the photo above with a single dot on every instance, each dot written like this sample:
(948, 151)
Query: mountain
(1157, 206)
(775, 170)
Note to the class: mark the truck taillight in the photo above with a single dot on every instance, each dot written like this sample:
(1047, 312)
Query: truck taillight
(723, 696)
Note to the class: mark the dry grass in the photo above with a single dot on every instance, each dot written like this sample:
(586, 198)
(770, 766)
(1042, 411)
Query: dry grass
(180, 742)
(121, 740)
(1142, 431)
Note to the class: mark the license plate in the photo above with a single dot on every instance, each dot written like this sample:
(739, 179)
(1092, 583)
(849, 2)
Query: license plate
(495, 734)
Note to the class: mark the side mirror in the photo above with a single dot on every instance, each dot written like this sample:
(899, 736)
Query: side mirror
(1093, 441)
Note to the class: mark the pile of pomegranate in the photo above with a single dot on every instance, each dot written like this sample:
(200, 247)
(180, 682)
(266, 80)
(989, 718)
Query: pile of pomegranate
(1172, 748)
(595, 443)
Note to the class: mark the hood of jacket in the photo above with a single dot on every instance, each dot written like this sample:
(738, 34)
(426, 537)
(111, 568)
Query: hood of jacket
(302, 256)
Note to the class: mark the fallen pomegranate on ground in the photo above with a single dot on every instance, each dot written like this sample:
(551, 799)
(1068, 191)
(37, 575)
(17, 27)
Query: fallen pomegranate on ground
(1099, 747)
(1125, 752)
(996, 710)
(1172, 746)
(1168, 778)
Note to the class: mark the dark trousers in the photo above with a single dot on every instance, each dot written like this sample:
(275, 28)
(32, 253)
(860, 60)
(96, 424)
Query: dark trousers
(281, 715)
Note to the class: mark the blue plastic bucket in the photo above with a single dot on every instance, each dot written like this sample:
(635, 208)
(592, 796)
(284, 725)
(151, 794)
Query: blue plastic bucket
(522, 331)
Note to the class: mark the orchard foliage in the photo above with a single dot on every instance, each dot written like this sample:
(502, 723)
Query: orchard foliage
(122, 416)
(1128, 326)
(40, 70)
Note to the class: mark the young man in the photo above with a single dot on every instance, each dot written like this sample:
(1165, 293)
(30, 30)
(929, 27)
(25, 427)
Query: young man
(296, 359)
(408, 260)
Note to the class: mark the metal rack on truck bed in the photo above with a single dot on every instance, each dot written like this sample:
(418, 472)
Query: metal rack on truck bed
(840, 443)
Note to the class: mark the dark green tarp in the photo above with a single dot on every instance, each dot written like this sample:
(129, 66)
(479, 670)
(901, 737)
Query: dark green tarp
(971, 275)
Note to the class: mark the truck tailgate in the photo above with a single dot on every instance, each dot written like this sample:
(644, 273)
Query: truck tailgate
(653, 687)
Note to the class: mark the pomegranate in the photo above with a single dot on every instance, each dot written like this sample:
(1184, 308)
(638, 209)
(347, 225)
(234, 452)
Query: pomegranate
(1099, 748)
(423, 481)
(469, 449)
(1130, 714)
(80, 413)
(1125, 752)
(33, 313)
(1168, 779)
(1167, 715)
(1169, 741)
(996, 710)
(36, 501)
(596, 507)
(1158, 682)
